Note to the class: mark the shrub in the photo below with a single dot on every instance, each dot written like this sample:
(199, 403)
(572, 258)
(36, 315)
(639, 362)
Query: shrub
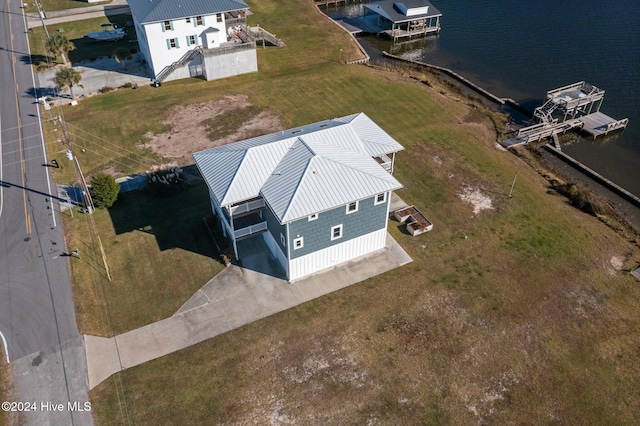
(165, 180)
(104, 190)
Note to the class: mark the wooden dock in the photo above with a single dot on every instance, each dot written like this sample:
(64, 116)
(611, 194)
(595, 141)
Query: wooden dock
(541, 131)
(397, 33)
(594, 124)
(598, 124)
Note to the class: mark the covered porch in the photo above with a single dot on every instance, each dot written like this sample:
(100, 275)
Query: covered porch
(406, 18)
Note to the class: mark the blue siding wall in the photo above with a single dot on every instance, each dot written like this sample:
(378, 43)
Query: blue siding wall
(317, 233)
(274, 226)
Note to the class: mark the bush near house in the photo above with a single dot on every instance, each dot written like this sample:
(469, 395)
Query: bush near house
(104, 190)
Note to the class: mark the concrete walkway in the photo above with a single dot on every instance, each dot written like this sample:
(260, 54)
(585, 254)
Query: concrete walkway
(116, 7)
(235, 297)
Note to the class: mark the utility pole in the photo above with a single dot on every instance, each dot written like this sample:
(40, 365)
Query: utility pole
(86, 196)
(42, 17)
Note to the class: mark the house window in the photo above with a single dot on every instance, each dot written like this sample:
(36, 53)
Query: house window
(219, 17)
(298, 243)
(199, 20)
(336, 232)
(283, 240)
(313, 217)
(380, 198)
(352, 207)
(166, 25)
(191, 40)
(188, 20)
(172, 43)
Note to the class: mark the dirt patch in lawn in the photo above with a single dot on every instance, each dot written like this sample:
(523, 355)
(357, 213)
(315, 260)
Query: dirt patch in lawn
(197, 127)
(474, 196)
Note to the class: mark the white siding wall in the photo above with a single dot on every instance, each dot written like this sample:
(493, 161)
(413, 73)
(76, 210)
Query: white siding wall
(276, 251)
(156, 38)
(334, 255)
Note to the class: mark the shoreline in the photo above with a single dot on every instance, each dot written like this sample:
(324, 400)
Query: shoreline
(622, 202)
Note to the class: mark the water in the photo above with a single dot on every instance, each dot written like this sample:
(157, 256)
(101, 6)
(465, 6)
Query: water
(520, 49)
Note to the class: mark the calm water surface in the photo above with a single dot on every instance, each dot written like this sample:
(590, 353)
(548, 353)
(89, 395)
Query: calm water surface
(520, 49)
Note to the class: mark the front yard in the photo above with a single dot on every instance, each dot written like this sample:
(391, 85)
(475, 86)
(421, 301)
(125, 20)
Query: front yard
(515, 313)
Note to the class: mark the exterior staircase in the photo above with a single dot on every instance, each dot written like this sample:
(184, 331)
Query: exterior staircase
(544, 113)
(186, 58)
(258, 33)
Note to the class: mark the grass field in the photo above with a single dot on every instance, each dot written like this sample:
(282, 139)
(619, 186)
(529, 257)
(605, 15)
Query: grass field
(85, 48)
(159, 253)
(53, 5)
(517, 314)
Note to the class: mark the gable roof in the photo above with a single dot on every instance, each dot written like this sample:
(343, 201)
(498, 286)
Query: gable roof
(304, 170)
(148, 11)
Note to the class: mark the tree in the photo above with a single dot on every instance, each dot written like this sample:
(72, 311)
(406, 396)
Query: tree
(60, 44)
(122, 55)
(104, 190)
(68, 77)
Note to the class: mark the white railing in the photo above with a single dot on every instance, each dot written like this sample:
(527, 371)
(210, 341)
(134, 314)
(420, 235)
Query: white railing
(247, 207)
(384, 161)
(243, 232)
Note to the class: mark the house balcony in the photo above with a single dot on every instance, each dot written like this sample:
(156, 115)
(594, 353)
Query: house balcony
(249, 225)
(251, 206)
(385, 162)
(236, 17)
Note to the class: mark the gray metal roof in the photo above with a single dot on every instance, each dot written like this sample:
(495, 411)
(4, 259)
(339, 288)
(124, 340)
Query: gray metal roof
(389, 9)
(304, 170)
(147, 11)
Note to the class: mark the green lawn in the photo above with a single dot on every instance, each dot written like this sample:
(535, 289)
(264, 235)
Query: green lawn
(54, 5)
(85, 48)
(514, 315)
(158, 251)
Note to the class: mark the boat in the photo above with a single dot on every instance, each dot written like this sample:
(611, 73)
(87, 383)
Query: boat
(106, 34)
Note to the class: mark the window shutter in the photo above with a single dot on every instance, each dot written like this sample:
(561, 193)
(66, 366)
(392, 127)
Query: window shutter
(171, 25)
(177, 44)
(162, 25)
(188, 43)
(168, 44)
(195, 21)
(203, 20)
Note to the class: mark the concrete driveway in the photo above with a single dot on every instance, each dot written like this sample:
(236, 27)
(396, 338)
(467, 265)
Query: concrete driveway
(235, 297)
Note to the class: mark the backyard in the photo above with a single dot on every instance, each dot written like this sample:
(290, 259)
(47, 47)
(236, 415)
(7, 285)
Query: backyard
(521, 311)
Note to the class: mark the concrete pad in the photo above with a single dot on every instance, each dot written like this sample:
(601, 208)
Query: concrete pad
(220, 287)
(206, 323)
(235, 297)
(396, 203)
(397, 252)
(153, 341)
(307, 289)
(102, 359)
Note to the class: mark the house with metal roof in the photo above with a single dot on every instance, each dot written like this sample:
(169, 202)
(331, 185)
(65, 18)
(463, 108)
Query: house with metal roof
(193, 38)
(318, 195)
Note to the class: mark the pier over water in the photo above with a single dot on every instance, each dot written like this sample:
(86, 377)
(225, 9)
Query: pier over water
(576, 106)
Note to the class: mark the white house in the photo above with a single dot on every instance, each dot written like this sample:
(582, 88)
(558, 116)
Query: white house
(318, 195)
(193, 38)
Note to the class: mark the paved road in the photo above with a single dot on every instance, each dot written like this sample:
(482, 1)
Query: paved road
(37, 315)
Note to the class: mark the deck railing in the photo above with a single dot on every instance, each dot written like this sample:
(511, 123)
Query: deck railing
(249, 230)
(247, 207)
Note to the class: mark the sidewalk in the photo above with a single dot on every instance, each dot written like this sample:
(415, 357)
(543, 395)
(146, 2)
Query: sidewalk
(116, 7)
(235, 297)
